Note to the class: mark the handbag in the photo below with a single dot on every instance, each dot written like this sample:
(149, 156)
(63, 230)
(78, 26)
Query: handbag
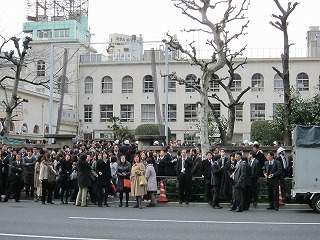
(143, 181)
(127, 183)
(113, 188)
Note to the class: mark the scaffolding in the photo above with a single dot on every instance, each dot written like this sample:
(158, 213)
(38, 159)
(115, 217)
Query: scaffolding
(56, 10)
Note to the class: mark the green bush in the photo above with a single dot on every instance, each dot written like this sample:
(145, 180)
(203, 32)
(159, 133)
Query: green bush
(149, 129)
(263, 131)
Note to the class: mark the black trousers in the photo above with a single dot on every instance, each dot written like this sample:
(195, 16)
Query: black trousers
(29, 183)
(47, 189)
(184, 187)
(273, 193)
(254, 190)
(215, 193)
(102, 194)
(14, 188)
(208, 190)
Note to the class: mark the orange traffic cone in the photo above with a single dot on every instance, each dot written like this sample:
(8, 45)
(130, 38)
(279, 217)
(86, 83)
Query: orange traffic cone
(280, 197)
(163, 197)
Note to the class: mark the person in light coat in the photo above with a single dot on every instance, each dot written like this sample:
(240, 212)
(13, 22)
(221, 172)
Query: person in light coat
(47, 185)
(151, 181)
(137, 170)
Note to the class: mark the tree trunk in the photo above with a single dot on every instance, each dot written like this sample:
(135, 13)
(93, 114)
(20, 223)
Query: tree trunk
(203, 110)
(231, 121)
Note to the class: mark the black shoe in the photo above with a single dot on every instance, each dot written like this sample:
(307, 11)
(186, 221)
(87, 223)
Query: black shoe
(270, 208)
(66, 202)
(238, 210)
(50, 202)
(62, 202)
(135, 206)
(106, 204)
(231, 210)
(187, 202)
(99, 205)
(180, 202)
(43, 203)
(17, 201)
(120, 205)
(217, 207)
(127, 205)
(276, 209)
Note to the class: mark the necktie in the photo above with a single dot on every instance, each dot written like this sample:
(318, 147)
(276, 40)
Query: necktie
(284, 162)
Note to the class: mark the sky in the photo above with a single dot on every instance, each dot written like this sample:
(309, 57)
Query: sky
(153, 18)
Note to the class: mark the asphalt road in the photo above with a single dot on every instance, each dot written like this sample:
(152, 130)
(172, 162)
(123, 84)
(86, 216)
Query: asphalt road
(29, 220)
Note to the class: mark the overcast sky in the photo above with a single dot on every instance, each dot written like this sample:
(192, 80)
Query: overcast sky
(153, 18)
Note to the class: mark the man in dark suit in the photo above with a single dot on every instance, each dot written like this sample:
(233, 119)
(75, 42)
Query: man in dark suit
(196, 163)
(255, 169)
(184, 165)
(260, 157)
(206, 172)
(239, 178)
(169, 162)
(216, 176)
(15, 179)
(247, 188)
(272, 172)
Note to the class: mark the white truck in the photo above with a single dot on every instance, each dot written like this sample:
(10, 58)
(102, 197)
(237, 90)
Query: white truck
(306, 166)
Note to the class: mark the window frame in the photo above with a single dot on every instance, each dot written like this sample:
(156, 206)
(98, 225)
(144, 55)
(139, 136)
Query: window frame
(88, 111)
(106, 84)
(107, 111)
(256, 113)
(190, 112)
(148, 113)
(257, 81)
(147, 84)
(305, 82)
(127, 115)
(88, 85)
(127, 84)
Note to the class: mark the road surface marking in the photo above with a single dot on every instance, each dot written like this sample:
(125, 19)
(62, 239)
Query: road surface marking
(48, 237)
(193, 221)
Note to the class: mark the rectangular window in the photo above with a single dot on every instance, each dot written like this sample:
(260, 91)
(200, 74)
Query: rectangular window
(127, 86)
(62, 33)
(190, 112)
(303, 85)
(236, 85)
(189, 138)
(148, 113)
(217, 109)
(172, 112)
(45, 34)
(239, 113)
(171, 85)
(127, 113)
(106, 112)
(214, 86)
(88, 87)
(87, 113)
(257, 111)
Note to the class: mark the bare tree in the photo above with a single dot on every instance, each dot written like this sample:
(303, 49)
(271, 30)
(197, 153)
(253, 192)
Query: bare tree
(281, 23)
(219, 42)
(226, 132)
(16, 61)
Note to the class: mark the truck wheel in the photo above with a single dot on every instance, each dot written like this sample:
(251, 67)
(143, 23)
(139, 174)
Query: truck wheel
(316, 203)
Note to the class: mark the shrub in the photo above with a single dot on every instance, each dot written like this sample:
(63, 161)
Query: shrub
(149, 129)
(263, 131)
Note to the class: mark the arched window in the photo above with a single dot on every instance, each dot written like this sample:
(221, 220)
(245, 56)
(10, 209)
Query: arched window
(257, 82)
(190, 80)
(46, 130)
(59, 81)
(41, 68)
(12, 127)
(214, 85)
(277, 83)
(36, 129)
(24, 128)
(88, 85)
(236, 83)
(106, 85)
(302, 82)
(127, 84)
(147, 84)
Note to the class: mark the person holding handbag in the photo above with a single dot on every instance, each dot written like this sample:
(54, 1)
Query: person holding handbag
(138, 186)
(47, 178)
(123, 173)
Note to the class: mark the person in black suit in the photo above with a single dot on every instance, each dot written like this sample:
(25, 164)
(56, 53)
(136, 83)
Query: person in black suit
(103, 179)
(169, 162)
(255, 169)
(15, 179)
(184, 165)
(260, 157)
(239, 178)
(247, 188)
(206, 172)
(272, 172)
(216, 176)
(196, 163)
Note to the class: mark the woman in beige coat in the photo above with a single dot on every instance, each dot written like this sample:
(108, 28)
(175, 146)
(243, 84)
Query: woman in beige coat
(37, 182)
(137, 171)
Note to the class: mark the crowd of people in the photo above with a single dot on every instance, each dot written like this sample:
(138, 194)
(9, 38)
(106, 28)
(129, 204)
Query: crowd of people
(93, 171)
